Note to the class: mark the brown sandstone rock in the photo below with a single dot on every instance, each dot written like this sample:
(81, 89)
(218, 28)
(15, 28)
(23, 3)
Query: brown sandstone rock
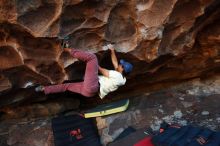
(167, 41)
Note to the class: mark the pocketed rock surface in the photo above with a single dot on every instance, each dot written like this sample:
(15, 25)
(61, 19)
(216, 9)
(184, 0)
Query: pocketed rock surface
(173, 45)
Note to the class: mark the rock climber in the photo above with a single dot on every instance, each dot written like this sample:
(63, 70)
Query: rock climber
(94, 84)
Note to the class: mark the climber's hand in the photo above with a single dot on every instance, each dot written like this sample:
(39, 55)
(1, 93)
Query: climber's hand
(110, 47)
(105, 48)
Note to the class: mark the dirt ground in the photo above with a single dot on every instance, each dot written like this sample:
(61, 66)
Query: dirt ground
(195, 103)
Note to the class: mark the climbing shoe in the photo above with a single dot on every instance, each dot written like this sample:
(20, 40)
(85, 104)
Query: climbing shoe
(39, 88)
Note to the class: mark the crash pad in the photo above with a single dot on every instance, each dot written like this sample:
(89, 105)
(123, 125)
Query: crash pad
(175, 135)
(107, 109)
(75, 130)
(132, 138)
(145, 142)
